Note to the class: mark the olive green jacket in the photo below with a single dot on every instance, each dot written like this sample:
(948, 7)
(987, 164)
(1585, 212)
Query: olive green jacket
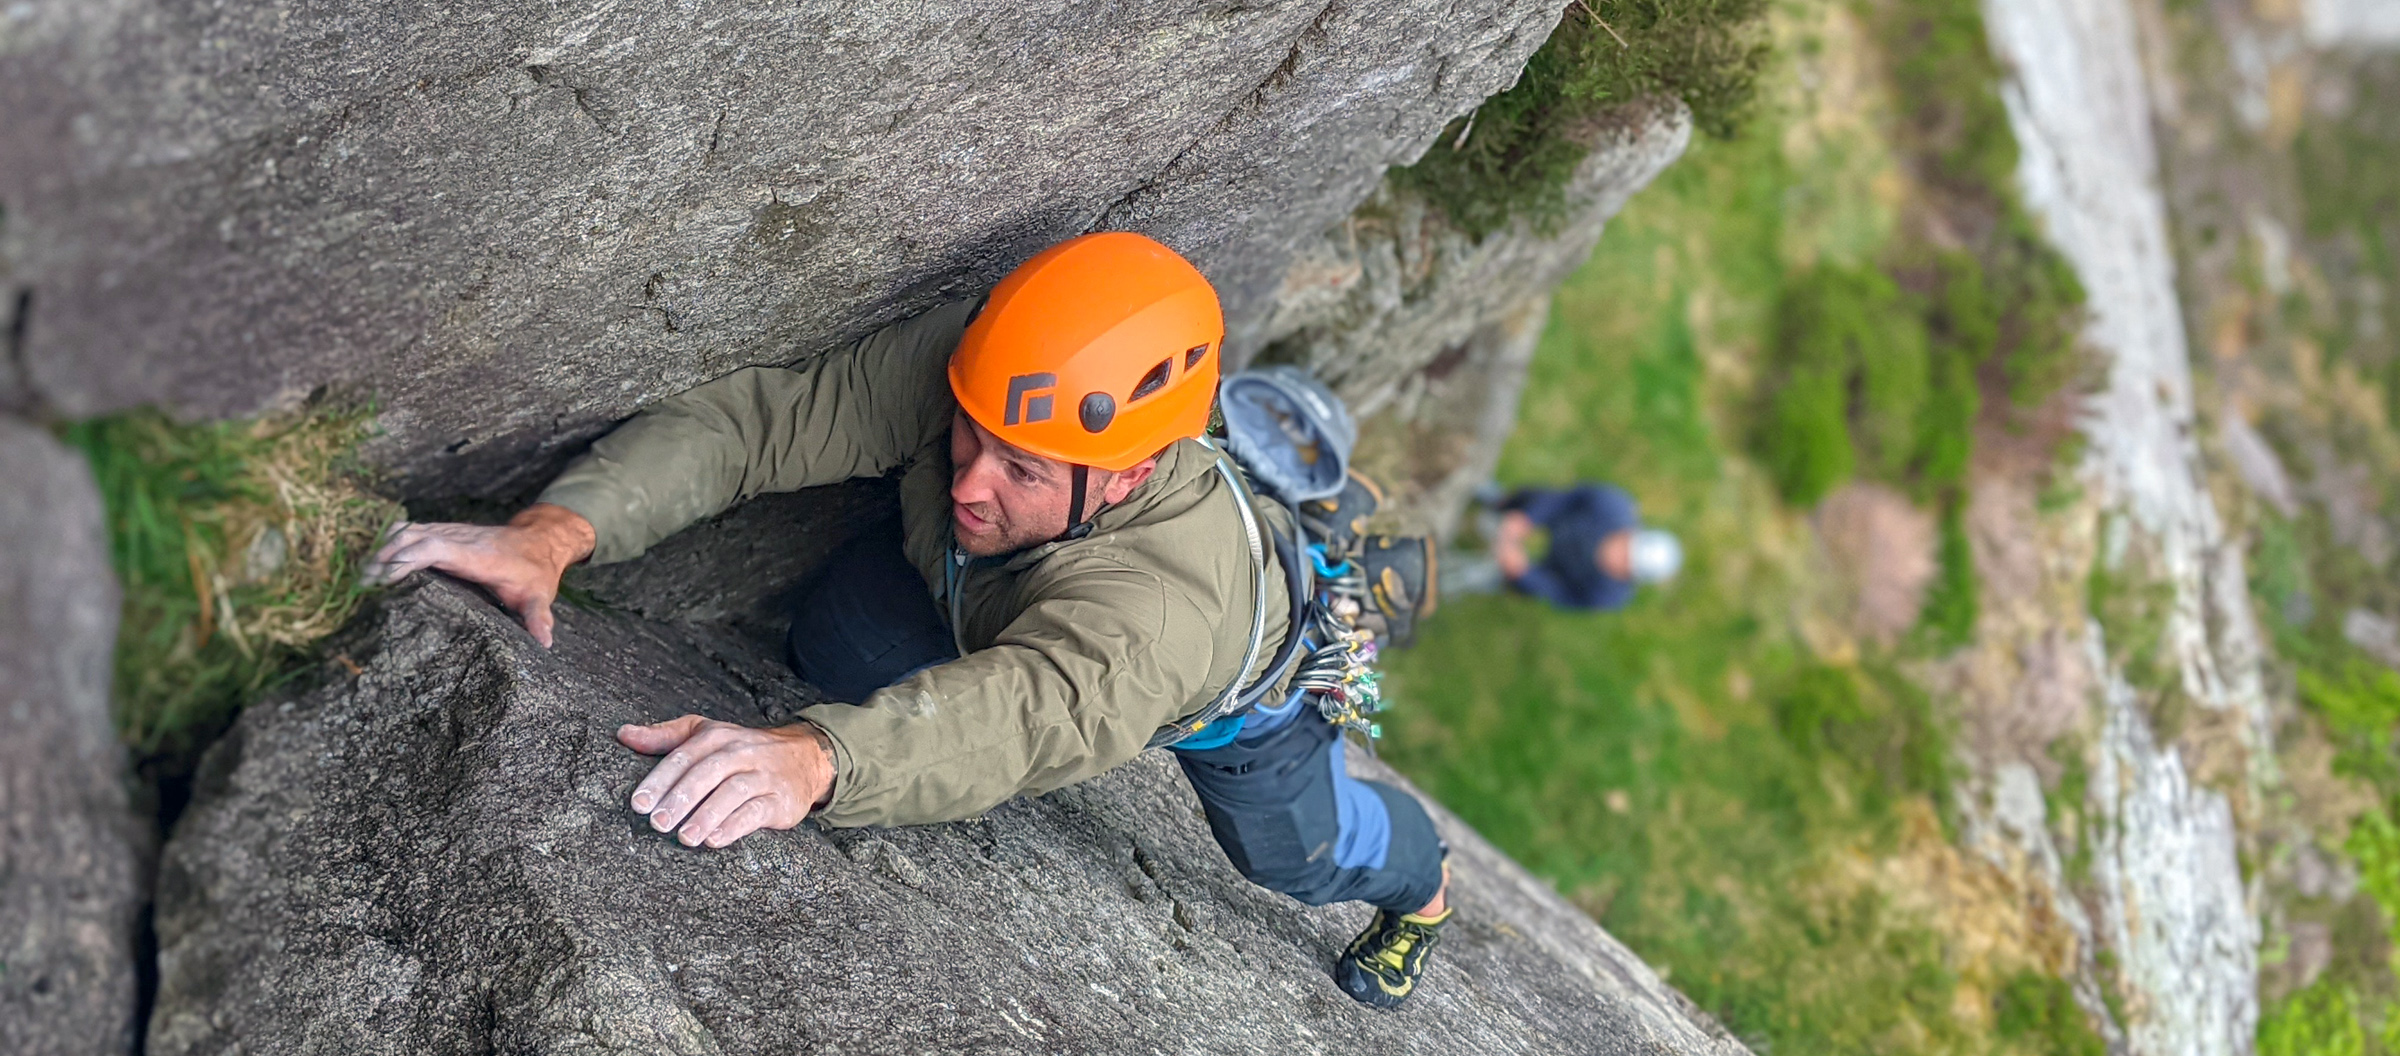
(1073, 654)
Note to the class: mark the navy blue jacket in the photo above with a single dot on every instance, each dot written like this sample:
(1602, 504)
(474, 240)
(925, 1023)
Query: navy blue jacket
(1577, 519)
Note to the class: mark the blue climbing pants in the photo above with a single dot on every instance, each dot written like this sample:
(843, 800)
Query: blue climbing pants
(1278, 797)
(1292, 819)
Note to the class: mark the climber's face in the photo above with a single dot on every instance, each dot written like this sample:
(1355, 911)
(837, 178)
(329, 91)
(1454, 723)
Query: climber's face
(1004, 499)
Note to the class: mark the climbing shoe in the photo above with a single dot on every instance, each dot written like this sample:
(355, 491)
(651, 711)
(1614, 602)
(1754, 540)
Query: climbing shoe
(1383, 963)
(1400, 573)
(1338, 522)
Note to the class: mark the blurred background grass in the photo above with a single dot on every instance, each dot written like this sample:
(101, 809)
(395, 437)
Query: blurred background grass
(1710, 780)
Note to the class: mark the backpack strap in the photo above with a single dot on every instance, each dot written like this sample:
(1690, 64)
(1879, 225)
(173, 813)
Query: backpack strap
(1235, 698)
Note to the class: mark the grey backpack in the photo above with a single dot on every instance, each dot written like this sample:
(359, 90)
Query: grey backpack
(1288, 431)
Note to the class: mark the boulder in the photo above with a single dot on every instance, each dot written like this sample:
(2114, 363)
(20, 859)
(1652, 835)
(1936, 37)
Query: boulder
(72, 855)
(513, 223)
(428, 851)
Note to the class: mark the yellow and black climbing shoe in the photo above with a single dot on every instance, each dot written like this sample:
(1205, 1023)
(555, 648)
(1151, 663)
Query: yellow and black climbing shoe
(1383, 963)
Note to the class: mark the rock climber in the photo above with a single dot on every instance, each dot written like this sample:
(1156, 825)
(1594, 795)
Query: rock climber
(1074, 577)
(1599, 550)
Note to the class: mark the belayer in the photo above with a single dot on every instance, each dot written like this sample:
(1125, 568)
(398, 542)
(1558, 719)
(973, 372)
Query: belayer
(1080, 572)
(1599, 550)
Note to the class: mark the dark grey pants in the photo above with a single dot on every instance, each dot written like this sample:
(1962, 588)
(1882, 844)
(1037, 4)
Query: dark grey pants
(1279, 798)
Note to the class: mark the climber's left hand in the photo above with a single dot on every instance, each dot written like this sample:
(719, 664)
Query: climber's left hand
(720, 782)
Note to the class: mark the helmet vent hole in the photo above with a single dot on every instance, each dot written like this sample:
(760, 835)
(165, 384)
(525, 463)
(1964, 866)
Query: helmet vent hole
(1153, 381)
(1191, 357)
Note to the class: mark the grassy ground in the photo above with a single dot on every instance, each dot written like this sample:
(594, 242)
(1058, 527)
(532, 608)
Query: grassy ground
(1718, 783)
(1666, 765)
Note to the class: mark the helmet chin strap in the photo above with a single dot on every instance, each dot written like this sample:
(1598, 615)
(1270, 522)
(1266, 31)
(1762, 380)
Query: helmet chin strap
(1079, 483)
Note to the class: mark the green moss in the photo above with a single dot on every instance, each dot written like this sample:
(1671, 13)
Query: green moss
(2038, 1012)
(237, 545)
(2018, 306)
(1804, 444)
(1515, 154)
(2356, 696)
(1877, 729)
(2374, 844)
(1947, 86)
(2039, 347)
(2350, 170)
(2279, 579)
(2321, 1020)
(1963, 326)
(1849, 384)
(1895, 385)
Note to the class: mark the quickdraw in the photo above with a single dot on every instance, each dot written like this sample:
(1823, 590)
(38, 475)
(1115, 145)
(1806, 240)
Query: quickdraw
(1340, 672)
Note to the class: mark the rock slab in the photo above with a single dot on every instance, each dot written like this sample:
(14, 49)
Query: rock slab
(72, 855)
(433, 856)
(516, 222)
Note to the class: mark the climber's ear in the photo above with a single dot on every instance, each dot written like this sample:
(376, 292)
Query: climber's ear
(1122, 484)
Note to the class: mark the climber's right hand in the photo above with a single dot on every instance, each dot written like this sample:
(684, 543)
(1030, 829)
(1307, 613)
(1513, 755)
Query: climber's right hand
(519, 562)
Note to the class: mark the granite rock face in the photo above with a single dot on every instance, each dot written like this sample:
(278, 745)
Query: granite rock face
(71, 852)
(2171, 904)
(433, 855)
(1428, 331)
(515, 223)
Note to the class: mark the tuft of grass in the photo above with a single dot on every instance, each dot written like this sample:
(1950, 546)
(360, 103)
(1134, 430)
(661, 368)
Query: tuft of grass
(1962, 325)
(2132, 605)
(1955, 127)
(2374, 844)
(2038, 1012)
(2321, 1020)
(1953, 600)
(1515, 154)
(1847, 383)
(238, 546)
(1875, 727)
(2304, 584)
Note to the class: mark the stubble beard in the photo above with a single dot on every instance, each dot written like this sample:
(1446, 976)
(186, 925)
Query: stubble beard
(997, 538)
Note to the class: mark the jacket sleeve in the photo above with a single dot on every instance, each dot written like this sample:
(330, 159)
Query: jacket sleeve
(1543, 506)
(1075, 686)
(1541, 582)
(861, 411)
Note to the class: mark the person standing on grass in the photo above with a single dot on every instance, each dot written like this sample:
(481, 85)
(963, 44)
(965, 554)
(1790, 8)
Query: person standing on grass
(1599, 550)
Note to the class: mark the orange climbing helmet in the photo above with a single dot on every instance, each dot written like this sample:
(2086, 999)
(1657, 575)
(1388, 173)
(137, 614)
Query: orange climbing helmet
(1100, 351)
